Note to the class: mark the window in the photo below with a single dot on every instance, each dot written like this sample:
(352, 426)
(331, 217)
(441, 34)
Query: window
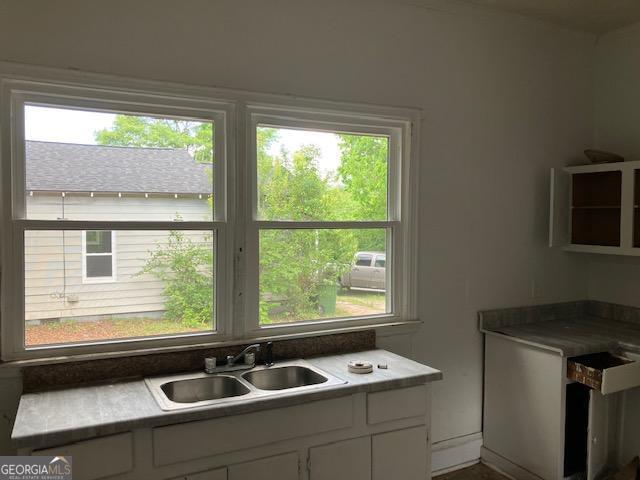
(99, 261)
(130, 219)
(364, 260)
(327, 197)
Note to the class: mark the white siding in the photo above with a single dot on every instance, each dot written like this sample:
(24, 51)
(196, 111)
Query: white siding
(53, 262)
(128, 207)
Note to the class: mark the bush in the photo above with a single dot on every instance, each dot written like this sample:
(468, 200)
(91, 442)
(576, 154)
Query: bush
(186, 268)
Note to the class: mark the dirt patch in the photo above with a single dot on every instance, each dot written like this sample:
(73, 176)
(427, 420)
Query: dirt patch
(66, 332)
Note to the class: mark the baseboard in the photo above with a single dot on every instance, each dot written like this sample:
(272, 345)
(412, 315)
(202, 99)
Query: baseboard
(505, 467)
(460, 452)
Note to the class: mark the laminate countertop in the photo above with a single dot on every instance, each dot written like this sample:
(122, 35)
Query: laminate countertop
(68, 415)
(572, 337)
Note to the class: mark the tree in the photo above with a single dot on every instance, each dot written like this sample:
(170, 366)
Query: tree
(363, 171)
(294, 264)
(185, 265)
(135, 131)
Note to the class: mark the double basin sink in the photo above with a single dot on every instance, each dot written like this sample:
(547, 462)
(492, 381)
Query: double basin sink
(199, 389)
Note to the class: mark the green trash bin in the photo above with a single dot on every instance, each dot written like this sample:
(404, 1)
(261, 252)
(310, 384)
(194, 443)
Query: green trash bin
(327, 296)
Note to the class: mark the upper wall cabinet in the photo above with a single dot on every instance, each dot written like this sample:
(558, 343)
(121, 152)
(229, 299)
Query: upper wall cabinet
(595, 208)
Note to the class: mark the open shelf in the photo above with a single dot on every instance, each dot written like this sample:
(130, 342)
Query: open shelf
(596, 208)
(597, 189)
(596, 226)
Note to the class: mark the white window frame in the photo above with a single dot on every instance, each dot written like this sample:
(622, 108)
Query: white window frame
(234, 114)
(119, 97)
(104, 279)
(400, 206)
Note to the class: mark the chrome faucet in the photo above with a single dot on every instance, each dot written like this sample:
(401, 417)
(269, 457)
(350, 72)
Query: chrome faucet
(231, 360)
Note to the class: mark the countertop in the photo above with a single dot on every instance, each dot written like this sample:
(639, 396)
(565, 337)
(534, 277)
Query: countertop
(68, 415)
(575, 336)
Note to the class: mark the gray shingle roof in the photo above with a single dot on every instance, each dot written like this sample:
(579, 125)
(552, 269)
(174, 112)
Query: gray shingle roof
(67, 167)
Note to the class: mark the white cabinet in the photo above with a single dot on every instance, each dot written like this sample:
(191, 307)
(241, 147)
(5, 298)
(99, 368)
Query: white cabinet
(279, 467)
(217, 474)
(400, 454)
(346, 460)
(596, 208)
(363, 436)
(97, 458)
(523, 407)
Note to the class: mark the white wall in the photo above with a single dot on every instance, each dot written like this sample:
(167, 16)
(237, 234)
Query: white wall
(504, 99)
(617, 129)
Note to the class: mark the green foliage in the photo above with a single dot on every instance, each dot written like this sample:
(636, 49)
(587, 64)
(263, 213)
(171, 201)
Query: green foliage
(135, 131)
(363, 171)
(294, 264)
(186, 268)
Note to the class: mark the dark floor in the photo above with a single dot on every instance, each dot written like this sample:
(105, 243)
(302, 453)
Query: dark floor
(477, 472)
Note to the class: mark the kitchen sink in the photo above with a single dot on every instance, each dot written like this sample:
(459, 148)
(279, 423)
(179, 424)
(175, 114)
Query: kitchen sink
(280, 378)
(198, 389)
(201, 389)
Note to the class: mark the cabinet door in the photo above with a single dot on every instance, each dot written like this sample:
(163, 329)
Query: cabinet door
(347, 460)
(217, 474)
(603, 436)
(280, 467)
(400, 454)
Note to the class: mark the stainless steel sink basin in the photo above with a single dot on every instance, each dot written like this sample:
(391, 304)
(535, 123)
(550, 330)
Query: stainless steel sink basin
(280, 378)
(201, 389)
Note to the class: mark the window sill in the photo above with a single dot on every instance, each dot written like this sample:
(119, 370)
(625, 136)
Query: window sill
(384, 329)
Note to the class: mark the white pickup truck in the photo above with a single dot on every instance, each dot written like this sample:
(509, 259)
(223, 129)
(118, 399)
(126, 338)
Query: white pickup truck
(368, 271)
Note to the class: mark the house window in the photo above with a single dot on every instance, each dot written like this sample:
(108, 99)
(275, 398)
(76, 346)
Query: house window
(327, 196)
(133, 217)
(99, 259)
(92, 166)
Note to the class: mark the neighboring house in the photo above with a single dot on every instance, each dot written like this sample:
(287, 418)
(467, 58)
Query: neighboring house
(96, 274)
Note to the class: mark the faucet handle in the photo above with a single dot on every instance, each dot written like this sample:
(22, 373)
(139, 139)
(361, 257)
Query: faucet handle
(209, 364)
(268, 356)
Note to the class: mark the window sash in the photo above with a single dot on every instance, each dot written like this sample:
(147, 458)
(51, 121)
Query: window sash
(322, 120)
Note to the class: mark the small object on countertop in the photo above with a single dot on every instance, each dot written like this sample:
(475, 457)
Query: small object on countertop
(360, 367)
(600, 156)
(383, 366)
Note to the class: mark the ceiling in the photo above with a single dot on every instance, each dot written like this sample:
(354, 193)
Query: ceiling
(596, 16)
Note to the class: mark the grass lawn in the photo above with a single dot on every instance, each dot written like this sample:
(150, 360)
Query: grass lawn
(62, 332)
(350, 303)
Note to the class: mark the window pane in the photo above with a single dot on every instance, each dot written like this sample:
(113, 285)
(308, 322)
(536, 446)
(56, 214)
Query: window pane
(308, 274)
(93, 165)
(164, 285)
(363, 260)
(321, 176)
(99, 241)
(99, 266)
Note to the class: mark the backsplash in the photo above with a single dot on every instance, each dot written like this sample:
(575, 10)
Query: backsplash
(42, 377)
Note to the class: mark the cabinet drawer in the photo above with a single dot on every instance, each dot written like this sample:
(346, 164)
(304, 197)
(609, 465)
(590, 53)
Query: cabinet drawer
(605, 372)
(396, 404)
(97, 458)
(188, 441)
